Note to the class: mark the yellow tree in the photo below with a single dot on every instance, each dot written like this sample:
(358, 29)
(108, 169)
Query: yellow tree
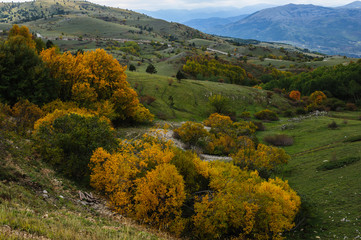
(21, 35)
(96, 77)
(244, 205)
(159, 198)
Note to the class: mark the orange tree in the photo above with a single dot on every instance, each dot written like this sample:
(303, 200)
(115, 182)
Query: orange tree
(295, 95)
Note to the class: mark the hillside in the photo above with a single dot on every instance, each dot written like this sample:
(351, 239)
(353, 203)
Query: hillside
(306, 26)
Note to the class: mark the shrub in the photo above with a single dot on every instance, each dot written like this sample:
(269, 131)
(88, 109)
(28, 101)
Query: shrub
(289, 113)
(279, 140)
(266, 115)
(334, 104)
(338, 163)
(332, 125)
(67, 141)
(147, 99)
(219, 104)
(243, 205)
(151, 69)
(301, 111)
(192, 133)
(25, 114)
(159, 198)
(245, 115)
(295, 95)
(260, 126)
(351, 107)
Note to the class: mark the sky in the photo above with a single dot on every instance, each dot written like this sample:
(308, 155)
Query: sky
(194, 4)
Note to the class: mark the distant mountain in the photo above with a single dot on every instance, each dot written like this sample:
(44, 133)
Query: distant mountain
(212, 25)
(356, 4)
(183, 15)
(328, 30)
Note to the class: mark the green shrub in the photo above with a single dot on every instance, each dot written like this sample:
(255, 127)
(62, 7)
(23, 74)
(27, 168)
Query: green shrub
(266, 115)
(245, 115)
(338, 163)
(279, 140)
(68, 142)
(332, 125)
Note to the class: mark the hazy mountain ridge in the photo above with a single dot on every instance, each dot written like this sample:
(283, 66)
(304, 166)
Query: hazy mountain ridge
(329, 30)
(184, 15)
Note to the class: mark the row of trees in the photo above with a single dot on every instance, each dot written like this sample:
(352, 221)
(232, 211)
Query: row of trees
(201, 67)
(341, 81)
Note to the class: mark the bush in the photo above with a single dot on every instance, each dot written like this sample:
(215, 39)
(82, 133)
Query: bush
(25, 114)
(147, 99)
(334, 164)
(151, 69)
(245, 115)
(332, 125)
(192, 133)
(219, 104)
(68, 141)
(260, 126)
(351, 107)
(266, 115)
(279, 140)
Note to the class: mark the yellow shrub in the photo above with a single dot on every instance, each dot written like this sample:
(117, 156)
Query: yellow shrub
(160, 196)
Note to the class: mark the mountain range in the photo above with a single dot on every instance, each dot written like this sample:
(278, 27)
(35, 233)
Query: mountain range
(185, 15)
(323, 29)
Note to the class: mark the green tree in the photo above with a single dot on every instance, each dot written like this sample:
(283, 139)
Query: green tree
(151, 69)
(132, 68)
(22, 72)
(219, 104)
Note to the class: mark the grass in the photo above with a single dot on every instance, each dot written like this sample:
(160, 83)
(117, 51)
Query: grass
(190, 97)
(333, 196)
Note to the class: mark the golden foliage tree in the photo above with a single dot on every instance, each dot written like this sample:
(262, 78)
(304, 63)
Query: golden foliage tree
(159, 198)
(244, 205)
(95, 77)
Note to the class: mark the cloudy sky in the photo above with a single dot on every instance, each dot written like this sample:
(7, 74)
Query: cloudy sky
(192, 4)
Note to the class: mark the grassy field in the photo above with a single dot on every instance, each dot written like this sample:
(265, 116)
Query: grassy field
(190, 97)
(333, 197)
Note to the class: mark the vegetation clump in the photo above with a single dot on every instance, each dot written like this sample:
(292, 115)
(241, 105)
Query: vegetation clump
(279, 140)
(338, 163)
(149, 180)
(266, 114)
(67, 139)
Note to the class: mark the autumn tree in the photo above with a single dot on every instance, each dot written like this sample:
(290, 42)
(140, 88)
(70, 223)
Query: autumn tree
(295, 95)
(93, 79)
(159, 198)
(242, 204)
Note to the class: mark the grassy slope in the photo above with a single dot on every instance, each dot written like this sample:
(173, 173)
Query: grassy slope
(25, 213)
(334, 196)
(190, 97)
